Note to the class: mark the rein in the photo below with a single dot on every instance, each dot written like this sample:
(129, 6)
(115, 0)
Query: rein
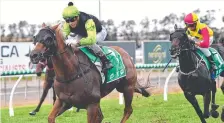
(81, 72)
(51, 51)
(197, 65)
(50, 54)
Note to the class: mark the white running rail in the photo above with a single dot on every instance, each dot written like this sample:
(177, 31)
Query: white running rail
(11, 111)
(166, 84)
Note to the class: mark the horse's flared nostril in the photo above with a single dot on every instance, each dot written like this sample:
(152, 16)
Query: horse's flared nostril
(34, 55)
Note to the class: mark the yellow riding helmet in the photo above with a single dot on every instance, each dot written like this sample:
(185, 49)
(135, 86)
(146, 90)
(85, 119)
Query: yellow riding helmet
(70, 11)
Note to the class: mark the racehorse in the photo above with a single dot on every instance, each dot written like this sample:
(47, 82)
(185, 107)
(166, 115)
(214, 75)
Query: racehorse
(220, 48)
(194, 76)
(48, 82)
(78, 81)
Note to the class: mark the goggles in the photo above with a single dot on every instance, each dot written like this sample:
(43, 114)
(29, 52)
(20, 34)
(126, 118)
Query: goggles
(70, 19)
(190, 25)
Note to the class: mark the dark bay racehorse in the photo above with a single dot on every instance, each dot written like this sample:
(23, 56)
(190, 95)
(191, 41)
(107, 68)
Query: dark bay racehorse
(48, 82)
(194, 78)
(220, 48)
(78, 82)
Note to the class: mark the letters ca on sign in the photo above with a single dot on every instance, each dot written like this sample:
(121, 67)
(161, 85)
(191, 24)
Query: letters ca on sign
(9, 51)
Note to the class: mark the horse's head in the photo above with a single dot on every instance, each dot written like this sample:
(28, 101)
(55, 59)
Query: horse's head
(179, 42)
(45, 44)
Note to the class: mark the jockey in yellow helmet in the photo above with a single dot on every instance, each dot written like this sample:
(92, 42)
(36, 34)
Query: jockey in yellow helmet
(88, 30)
(201, 34)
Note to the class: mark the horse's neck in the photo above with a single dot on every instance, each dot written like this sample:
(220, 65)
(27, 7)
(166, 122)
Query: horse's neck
(69, 63)
(65, 65)
(65, 62)
(187, 61)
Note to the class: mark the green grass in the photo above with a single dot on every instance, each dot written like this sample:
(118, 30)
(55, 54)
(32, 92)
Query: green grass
(146, 110)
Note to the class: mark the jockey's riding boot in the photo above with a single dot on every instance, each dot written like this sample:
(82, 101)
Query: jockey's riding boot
(106, 63)
(98, 51)
(212, 62)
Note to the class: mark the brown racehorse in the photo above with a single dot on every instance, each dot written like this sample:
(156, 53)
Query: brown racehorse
(78, 82)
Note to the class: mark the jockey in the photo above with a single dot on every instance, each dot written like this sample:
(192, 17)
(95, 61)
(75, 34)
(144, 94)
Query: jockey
(88, 30)
(201, 34)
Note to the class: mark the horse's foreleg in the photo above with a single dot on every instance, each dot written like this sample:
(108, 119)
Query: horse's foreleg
(46, 88)
(214, 106)
(64, 107)
(213, 91)
(207, 100)
(222, 115)
(128, 96)
(54, 112)
(222, 87)
(54, 94)
(94, 113)
(191, 98)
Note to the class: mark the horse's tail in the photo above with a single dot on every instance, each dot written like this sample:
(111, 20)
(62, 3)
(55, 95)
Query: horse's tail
(139, 88)
(142, 85)
(142, 91)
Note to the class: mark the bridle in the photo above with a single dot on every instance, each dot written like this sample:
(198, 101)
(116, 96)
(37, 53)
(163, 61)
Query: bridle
(182, 48)
(51, 50)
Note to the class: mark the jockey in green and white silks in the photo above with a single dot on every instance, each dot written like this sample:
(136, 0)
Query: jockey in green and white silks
(88, 30)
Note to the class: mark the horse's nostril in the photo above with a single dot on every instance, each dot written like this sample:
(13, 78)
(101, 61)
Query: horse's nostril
(34, 55)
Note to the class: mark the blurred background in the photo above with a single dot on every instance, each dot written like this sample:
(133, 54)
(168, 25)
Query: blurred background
(136, 20)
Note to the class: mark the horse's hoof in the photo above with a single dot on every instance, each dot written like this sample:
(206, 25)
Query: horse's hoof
(215, 114)
(78, 109)
(32, 113)
(222, 115)
(207, 115)
(215, 107)
(203, 122)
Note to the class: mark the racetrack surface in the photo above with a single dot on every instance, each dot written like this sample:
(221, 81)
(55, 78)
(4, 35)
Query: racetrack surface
(34, 88)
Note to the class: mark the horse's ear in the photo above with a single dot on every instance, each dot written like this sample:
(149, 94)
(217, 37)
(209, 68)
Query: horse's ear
(55, 27)
(43, 25)
(175, 26)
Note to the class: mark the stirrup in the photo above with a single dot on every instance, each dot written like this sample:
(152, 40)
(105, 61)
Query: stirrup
(108, 65)
(213, 67)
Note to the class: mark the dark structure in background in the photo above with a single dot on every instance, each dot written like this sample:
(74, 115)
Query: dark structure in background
(128, 46)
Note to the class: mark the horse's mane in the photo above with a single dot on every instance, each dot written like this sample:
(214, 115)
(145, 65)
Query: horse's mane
(58, 32)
